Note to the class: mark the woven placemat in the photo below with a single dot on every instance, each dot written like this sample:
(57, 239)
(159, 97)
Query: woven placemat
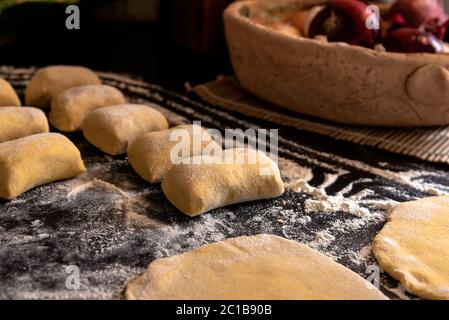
(430, 144)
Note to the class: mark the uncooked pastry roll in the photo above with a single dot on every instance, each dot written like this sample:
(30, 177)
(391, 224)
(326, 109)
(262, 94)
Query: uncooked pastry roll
(149, 155)
(8, 97)
(17, 123)
(112, 129)
(70, 108)
(36, 160)
(206, 183)
(51, 81)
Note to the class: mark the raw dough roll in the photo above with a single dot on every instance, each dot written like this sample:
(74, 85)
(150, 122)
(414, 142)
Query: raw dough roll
(263, 267)
(112, 129)
(200, 186)
(16, 122)
(149, 155)
(8, 97)
(37, 160)
(50, 81)
(70, 108)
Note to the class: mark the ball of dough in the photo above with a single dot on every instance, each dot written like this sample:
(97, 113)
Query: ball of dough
(36, 160)
(413, 247)
(8, 97)
(263, 267)
(50, 81)
(149, 155)
(202, 185)
(21, 122)
(70, 108)
(112, 129)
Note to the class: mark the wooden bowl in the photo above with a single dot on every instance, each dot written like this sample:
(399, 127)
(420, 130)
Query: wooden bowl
(336, 81)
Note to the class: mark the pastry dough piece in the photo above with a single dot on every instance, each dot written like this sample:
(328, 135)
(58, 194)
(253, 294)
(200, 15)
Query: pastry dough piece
(149, 155)
(263, 267)
(21, 122)
(112, 129)
(201, 185)
(8, 97)
(70, 108)
(37, 160)
(50, 81)
(413, 247)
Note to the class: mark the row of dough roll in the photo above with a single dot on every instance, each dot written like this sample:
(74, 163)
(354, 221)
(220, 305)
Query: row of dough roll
(205, 177)
(74, 94)
(46, 84)
(193, 189)
(143, 132)
(79, 101)
(30, 155)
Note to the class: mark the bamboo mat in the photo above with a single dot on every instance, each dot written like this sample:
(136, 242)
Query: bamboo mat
(430, 144)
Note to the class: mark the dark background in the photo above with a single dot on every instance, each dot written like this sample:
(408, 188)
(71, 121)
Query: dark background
(156, 50)
(183, 41)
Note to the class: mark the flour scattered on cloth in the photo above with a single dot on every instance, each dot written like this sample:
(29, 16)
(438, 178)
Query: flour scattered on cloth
(95, 183)
(293, 171)
(323, 203)
(323, 238)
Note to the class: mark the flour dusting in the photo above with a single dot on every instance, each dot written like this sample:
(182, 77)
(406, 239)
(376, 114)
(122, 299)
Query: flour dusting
(323, 203)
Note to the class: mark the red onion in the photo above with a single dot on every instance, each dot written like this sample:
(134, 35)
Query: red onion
(428, 14)
(414, 13)
(345, 21)
(412, 40)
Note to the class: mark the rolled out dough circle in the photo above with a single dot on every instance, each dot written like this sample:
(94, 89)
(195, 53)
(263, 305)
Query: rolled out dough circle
(254, 267)
(413, 247)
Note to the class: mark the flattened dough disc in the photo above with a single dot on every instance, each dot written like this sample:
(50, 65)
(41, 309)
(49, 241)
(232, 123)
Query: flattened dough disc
(255, 267)
(413, 247)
